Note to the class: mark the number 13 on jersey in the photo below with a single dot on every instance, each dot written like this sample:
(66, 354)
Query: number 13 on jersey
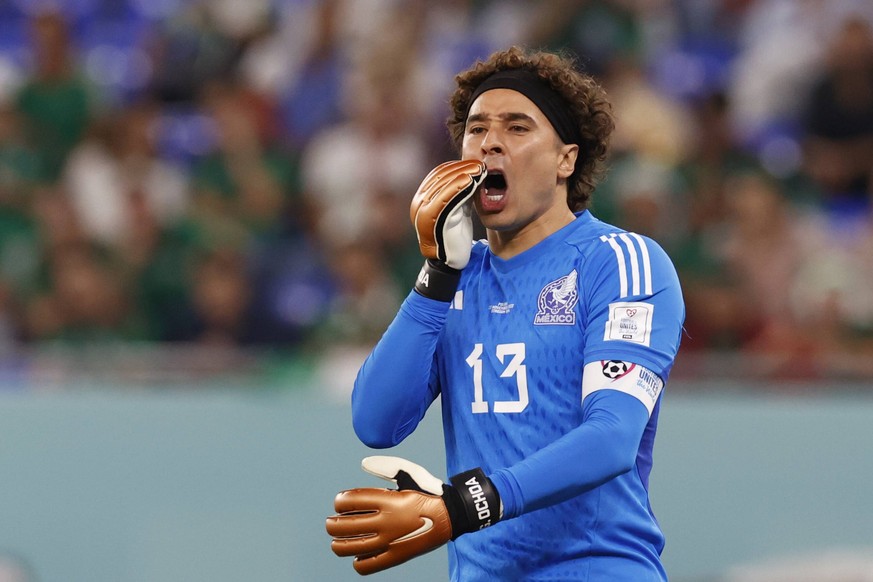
(513, 368)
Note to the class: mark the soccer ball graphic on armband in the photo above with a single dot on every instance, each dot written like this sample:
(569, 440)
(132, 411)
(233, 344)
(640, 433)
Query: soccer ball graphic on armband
(615, 369)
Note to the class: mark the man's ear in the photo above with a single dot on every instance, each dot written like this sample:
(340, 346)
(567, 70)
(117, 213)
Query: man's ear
(567, 161)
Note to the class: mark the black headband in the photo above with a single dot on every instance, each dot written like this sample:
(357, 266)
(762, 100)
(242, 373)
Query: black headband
(526, 82)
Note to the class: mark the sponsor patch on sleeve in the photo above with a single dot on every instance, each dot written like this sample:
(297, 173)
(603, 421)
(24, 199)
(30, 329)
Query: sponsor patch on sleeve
(630, 321)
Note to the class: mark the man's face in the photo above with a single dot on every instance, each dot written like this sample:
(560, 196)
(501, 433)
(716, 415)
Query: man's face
(516, 141)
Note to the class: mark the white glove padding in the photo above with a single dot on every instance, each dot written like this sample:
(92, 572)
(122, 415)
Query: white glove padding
(386, 527)
(405, 474)
(441, 211)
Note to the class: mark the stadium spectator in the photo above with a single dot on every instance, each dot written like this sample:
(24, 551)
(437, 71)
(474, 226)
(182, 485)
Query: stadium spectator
(246, 178)
(366, 297)
(764, 242)
(56, 102)
(84, 301)
(123, 193)
(221, 297)
(601, 32)
(188, 51)
(838, 119)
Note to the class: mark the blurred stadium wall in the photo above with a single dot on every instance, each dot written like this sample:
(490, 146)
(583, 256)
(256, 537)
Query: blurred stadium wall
(228, 481)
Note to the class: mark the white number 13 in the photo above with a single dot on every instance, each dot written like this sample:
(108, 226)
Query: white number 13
(515, 367)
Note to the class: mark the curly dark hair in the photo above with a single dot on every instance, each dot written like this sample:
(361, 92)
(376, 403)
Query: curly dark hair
(587, 100)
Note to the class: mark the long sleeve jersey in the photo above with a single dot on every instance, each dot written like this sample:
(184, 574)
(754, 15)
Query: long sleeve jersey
(550, 367)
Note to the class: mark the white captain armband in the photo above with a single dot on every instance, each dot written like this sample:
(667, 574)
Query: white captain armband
(627, 377)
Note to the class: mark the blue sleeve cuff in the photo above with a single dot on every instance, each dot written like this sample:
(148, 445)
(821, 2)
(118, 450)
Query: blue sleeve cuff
(510, 493)
(430, 312)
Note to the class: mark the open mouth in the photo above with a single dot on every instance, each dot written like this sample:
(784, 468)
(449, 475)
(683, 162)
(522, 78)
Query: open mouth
(494, 184)
(493, 191)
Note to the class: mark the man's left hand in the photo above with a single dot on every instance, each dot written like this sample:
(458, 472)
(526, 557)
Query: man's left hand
(386, 527)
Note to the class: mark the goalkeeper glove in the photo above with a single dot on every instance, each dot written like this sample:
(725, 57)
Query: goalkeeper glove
(441, 213)
(386, 527)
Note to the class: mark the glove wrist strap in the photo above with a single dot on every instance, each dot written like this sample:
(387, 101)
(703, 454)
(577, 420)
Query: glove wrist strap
(436, 280)
(472, 502)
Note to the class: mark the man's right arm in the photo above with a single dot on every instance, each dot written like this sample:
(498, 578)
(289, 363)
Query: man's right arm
(397, 382)
(393, 389)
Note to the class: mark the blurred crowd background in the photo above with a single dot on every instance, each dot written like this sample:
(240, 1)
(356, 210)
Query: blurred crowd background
(211, 178)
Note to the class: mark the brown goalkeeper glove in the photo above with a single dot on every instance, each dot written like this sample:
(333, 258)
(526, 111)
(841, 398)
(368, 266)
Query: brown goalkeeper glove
(386, 527)
(441, 213)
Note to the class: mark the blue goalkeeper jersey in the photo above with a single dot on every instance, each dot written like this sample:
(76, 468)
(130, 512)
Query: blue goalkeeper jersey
(509, 365)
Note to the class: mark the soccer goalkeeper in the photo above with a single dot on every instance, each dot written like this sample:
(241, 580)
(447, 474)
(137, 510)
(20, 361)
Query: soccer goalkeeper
(550, 344)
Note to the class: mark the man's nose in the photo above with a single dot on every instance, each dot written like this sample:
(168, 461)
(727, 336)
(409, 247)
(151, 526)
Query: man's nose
(492, 144)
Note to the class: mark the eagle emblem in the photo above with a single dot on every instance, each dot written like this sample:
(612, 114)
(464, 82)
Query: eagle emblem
(557, 300)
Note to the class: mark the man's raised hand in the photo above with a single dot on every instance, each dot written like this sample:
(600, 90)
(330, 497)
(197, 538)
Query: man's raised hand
(441, 211)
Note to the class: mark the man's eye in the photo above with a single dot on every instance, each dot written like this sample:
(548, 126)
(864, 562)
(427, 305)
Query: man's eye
(476, 130)
(517, 128)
